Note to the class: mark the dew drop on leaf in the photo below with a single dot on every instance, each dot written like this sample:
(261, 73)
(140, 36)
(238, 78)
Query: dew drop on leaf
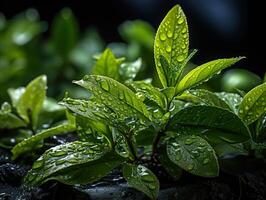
(168, 49)
(180, 20)
(180, 58)
(162, 37)
(38, 164)
(190, 167)
(147, 178)
(206, 161)
(169, 34)
(6, 108)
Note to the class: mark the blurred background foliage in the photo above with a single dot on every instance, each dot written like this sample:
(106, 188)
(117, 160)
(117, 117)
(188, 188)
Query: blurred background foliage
(62, 41)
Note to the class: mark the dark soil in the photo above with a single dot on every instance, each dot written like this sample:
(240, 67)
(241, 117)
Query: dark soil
(240, 178)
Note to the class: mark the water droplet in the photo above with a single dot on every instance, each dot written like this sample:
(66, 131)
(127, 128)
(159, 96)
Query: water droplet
(168, 49)
(105, 86)
(246, 107)
(86, 77)
(59, 153)
(38, 164)
(188, 141)
(180, 58)
(82, 109)
(60, 162)
(180, 20)
(6, 107)
(205, 161)
(184, 30)
(190, 167)
(169, 34)
(178, 157)
(162, 37)
(147, 178)
(152, 187)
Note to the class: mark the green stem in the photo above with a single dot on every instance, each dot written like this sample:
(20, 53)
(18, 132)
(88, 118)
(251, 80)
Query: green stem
(131, 147)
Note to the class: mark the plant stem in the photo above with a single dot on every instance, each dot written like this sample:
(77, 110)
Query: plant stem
(131, 147)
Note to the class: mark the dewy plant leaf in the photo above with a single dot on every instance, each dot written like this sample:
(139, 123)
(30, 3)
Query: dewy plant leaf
(171, 45)
(211, 120)
(9, 120)
(31, 101)
(117, 97)
(253, 104)
(107, 65)
(193, 154)
(204, 72)
(142, 179)
(33, 142)
(71, 163)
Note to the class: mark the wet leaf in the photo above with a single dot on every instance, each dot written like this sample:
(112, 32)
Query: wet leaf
(201, 96)
(204, 72)
(150, 92)
(64, 32)
(31, 101)
(15, 94)
(32, 143)
(232, 99)
(171, 44)
(73, 163)
(93, 130)
(172, 169)
(116, 98)
(193, 154)
(211, 121)
(9, 120)
(107, 65)
(128, 71)
(253, 104)
(142, 179)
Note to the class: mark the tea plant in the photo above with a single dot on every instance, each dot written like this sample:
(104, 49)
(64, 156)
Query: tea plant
(31, 113)
(131, 123)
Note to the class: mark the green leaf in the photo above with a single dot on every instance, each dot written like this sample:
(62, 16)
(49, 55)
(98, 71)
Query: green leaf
(64, 32)
(142, 179)
(171, 44)
(225, 149)
(150, 92)
(9, 120)
(107, 65)
(201, 96)
(253, 104)
(31, 101)
(93, 130)
(15, 95)
(193, 154)
(138, 31)
(212, 122)
(204, 72)
(129, 71)
(116, 97)
(261, 129)
(25, 27)
(34, 142)
(73, 163)
(51, 112)
(232, 99)
(171, 168)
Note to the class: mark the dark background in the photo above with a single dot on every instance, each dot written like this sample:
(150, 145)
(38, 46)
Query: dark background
(218, 28)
